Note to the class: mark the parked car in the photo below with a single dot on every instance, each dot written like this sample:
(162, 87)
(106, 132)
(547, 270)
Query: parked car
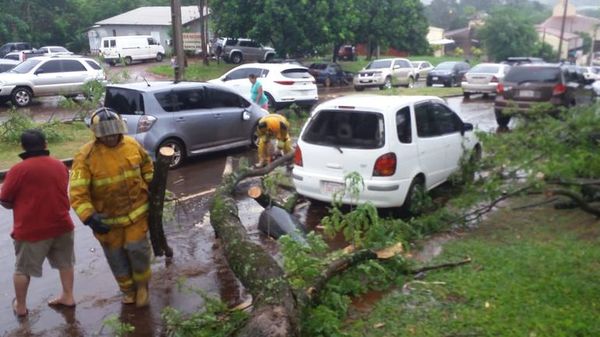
(385, 73)
(191, 117)
(483, 78)
(518, 60)
(447, 74)
(13, 46)
(347, 53)
(241, 49)
(54, 50)
(114, 49)
(7, 64)
(398, 144)
(591, 73)
(283, 83)
(422, 68)
(49, 76)
(526, 85)
(329, 74)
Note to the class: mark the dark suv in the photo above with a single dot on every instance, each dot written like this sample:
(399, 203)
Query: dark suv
(525, 85)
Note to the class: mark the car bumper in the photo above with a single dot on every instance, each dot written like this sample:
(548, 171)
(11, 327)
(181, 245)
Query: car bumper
(501, 104)
(479, 88)
(6, 90)
(381, 193)
(438, 80)
(368, 81)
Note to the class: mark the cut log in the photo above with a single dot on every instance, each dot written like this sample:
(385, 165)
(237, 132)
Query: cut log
(158, 188)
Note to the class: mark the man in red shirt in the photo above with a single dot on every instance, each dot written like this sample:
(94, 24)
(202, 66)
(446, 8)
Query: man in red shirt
(36, 190)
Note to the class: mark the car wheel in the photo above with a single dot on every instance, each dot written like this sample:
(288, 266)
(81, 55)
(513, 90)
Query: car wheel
(269, 58)
(466, 95)
(179, 152)
(254, 137)
(236, 58)
(450, 83)
(417, 78)
(21, 97)
(111, 63)
(359, 88)
(411, 83)
(501, 118)
(414, 194)
(127, 60)
(272, 103)
(327, 82)
(159, 57)
(387, 84)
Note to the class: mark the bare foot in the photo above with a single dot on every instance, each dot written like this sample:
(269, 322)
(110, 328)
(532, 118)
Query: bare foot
(19, 310)
(61, 303)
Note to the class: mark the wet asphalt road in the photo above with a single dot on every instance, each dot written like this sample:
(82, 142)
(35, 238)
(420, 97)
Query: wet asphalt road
(198, 262)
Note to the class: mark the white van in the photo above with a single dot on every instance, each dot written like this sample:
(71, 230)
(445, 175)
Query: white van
(131, 48)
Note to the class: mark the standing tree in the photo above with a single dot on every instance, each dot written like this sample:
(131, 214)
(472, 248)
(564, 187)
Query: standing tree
(399, 24)
(508, 32)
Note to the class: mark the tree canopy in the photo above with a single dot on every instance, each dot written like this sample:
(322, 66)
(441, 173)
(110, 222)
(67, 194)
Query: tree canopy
(507, 32)
(300, 27)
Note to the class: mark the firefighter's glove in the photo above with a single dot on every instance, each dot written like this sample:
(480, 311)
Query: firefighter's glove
(96, 224)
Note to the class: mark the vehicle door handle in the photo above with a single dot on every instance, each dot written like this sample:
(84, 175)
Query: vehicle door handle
(217, 115)
(180, 119)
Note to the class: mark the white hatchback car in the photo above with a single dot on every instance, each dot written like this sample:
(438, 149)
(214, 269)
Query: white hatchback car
(398, 144)
(283, 83)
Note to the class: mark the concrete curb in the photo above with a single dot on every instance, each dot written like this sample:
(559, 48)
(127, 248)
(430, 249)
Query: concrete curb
(68, 162)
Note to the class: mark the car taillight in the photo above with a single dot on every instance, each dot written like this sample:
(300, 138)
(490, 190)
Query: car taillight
(385, 165)
(559, 89)
(500, 89)
(494, 79)
(285, 82)
(298, 156)
(145, 123)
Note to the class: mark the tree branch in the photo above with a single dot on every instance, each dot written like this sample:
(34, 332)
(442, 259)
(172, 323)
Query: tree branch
(441, 266)
(578, 199)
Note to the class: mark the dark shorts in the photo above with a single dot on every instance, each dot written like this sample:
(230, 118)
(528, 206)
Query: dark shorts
(31, 255)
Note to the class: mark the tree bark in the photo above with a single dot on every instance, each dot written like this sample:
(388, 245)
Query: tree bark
(275, 310)
(157, 192)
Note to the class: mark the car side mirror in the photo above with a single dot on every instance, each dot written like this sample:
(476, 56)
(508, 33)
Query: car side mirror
(225, 79)
(396, 67)
(246, 115)
(466, 127)
(39, 71)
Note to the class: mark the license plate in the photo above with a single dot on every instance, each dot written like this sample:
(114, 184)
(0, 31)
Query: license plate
(526, 93)
(330, 187)
(435, 78)
(365, 81)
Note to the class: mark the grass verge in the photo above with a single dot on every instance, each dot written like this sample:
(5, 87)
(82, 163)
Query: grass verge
(74, 135)
(534, 273)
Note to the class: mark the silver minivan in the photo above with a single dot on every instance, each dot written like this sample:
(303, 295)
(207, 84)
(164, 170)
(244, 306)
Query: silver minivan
(191, 117)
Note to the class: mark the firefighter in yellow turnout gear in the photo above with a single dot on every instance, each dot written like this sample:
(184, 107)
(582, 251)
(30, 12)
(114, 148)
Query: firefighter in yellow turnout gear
(272, 126)
(109, 192)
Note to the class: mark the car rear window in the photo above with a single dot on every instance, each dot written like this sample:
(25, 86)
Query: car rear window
(124, 101)
(352, 129)
(485, 69)
(533, 74)
(296, 73)
(93, 64)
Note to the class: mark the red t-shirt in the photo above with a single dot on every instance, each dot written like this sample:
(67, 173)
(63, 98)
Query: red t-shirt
(37, 189)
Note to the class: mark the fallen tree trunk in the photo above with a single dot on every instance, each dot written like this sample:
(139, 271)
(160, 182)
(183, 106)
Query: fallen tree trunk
(275, 309)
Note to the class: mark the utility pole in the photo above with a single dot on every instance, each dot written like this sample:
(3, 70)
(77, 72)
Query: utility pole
(591, 55)
(203, 30)
(178, 61)
(562, 28)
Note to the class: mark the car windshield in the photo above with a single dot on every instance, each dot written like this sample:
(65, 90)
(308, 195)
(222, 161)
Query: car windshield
(445, 66)
(379, 64)
(125, 101)
(485, 69)
(533, 74)
(25, 67)
(351, 129)
(296, 73)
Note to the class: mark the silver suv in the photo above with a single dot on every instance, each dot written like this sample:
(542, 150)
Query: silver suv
(191, 117)
(49, 76)
(238, 50)
(385, 73)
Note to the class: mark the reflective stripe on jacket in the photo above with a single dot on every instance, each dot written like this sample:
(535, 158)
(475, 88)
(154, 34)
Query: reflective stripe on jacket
(111, 181)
